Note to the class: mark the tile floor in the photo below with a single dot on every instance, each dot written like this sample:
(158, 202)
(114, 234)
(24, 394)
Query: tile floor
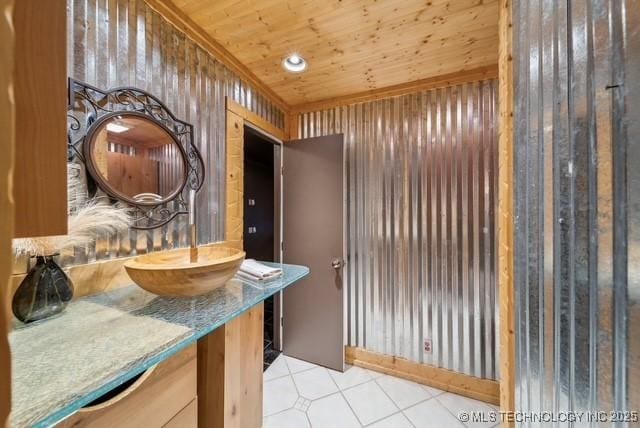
(298, 394)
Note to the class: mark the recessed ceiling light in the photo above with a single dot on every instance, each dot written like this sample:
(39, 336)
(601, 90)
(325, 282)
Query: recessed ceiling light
(114, 127)
(294, 63)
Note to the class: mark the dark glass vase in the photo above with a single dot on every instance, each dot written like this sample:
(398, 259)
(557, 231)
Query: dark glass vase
(44, 292)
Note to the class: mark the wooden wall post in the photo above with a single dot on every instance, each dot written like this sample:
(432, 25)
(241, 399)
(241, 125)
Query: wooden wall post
(230, 360)
(230, 364)
(506, 212)
(7, 124)
(234, 213)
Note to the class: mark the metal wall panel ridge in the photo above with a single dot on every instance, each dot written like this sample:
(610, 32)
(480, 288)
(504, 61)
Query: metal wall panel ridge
(126, 43)
(421, 231)
(577, 201)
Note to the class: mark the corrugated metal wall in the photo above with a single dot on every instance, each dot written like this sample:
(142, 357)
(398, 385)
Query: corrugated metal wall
(577, 68)
(170, 172)
(421, 231)
(125, 43)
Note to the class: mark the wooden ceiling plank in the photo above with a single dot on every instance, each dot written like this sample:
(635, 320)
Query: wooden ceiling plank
(392, 27)
(322, 9)
(181, 21)
(351, 46)
(323, 53)
(363, 57)
(345, 86)
(335, 25)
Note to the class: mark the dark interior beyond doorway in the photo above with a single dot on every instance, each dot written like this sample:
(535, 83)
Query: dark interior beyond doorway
(259, 218)
(259, 197)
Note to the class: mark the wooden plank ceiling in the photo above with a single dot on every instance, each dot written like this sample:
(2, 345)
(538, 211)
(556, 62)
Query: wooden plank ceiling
(351, 46)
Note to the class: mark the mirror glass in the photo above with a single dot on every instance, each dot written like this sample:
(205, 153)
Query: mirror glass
(138, 159)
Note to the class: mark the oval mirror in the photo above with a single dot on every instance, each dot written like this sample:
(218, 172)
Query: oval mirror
(136, 159)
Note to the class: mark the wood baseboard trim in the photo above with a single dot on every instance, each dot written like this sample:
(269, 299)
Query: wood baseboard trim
(486, 390)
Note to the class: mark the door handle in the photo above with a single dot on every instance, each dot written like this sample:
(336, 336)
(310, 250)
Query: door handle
(336, 263)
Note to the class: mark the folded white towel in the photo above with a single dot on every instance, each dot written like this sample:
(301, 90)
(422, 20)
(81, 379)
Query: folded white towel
(249, 277)
(251, 269)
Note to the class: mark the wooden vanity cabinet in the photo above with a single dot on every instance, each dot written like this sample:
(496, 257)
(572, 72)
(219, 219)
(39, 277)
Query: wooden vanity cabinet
(40, 94)
(164, 396)
(230, 365)
(214, 383)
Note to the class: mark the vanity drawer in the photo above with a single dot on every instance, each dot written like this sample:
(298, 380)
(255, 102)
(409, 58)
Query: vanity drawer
(161, 397)
(187, 417)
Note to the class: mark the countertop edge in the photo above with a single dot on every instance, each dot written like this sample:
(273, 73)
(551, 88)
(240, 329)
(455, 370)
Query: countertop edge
(72, 408)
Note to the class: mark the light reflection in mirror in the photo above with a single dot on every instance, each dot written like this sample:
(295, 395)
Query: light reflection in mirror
(138, 159)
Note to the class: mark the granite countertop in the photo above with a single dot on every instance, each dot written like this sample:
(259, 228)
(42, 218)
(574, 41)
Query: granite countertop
(101, 341)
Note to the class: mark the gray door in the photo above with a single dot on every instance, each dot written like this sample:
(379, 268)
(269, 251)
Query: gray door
(313, 198)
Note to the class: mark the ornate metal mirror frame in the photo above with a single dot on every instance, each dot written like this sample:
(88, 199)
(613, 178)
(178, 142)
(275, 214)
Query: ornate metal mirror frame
(89, 106)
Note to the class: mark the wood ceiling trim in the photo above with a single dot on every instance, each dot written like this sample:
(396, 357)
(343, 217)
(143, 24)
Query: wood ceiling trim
(444, 80)
(182, 22)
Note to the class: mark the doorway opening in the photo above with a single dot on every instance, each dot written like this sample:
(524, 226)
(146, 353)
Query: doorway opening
(262, 221)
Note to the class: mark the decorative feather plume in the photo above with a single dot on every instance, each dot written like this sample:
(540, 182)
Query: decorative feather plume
(96, 218)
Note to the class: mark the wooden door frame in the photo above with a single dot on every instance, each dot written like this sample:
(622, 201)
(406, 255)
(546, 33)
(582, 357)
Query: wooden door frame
(237, 117)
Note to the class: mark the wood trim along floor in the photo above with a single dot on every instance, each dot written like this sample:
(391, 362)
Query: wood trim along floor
(486, 390)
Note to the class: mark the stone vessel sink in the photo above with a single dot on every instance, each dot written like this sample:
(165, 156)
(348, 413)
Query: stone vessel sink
(171, 273)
